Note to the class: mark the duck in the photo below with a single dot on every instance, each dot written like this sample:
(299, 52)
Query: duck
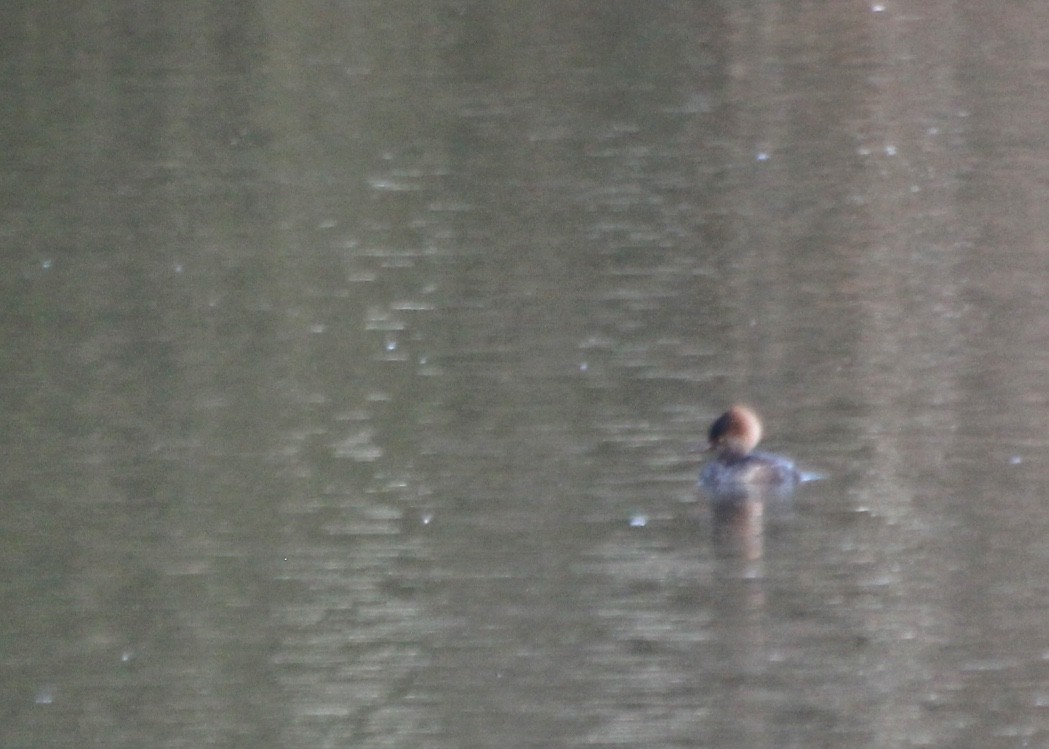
(737, 471)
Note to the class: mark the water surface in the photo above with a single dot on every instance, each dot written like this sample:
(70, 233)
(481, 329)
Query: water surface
(355, 358)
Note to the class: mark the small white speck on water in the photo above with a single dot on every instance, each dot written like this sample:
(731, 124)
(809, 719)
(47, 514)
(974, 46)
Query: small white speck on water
(45, 695)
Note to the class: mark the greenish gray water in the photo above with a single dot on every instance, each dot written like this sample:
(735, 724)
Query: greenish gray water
(355, 355)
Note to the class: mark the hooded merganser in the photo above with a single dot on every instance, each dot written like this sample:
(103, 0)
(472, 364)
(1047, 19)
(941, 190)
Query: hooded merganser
(737, 470)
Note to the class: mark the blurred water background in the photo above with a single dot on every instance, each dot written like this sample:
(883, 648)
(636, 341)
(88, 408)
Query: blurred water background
(355, 354)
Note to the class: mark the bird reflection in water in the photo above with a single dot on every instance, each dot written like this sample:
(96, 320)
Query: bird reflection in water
(742, 482)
